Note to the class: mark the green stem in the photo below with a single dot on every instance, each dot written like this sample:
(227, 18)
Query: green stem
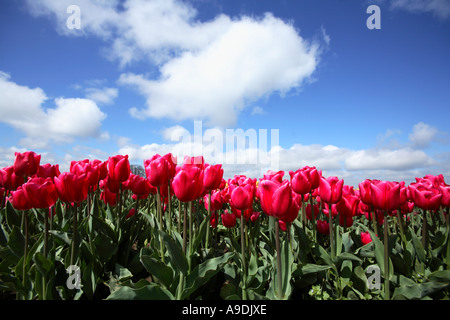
(184, 228)
(208, 228)
(330, 222)
(313, 218)
(244, 267)
(424, 230)
(74, 236)
(386, 258)
(277, 243)
(25, 253)
(190, 235)
(169, 208)
(158, 204)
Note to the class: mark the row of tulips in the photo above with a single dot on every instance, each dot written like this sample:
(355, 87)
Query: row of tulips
(318, 208)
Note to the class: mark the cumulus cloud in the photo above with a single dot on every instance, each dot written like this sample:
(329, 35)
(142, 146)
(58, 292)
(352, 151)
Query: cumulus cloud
(422, 135)
(208, 70)
(104, 95)
(22, 108)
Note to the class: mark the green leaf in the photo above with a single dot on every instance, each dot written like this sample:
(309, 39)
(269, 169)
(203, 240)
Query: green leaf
(148, 292)
(203, 272)
(43, 264)
(105, 247)
(13, 218)
(158, 269)
(177, 257)
(379, 254)
(63, 236)
(16, 242)
(420, 252)
(311, 268)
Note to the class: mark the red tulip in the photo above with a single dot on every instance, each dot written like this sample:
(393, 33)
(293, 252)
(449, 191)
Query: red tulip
(228, 219)
(138, 185)
(108, 197)
(365, 238)
(386, 195)
(272, 175)
(19, 200)
(90, 168)
(157, 170)
(41, 192)
(275, 197)
(445, 191)
(216, 201)
(71, 187)
(119, 168)
(9, 180)
(348, 205)
(304, 180)
(188, 183)
(242, 196)
(323, 227)
(26, 164)
(48, 171)
(330, 189)
(212, 177)
(426, 197)
(292, 213)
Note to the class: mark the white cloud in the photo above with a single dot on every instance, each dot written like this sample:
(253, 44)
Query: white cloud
(22, 108)
(422, 135)
(440, 8)
(208, 70)
(257, 110)
(104, 95)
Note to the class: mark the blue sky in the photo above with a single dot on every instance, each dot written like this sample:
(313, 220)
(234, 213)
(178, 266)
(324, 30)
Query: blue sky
(355, 102)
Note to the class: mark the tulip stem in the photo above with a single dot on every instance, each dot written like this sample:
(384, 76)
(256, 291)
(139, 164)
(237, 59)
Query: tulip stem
(424, 230)
(169, 207)
(386, 259)
(158, 204)
(208, 224)
(74, 236)
(184, 227)
(25, 253)
(330, 222)
(244, 267)
(313, 217)
(277, 243)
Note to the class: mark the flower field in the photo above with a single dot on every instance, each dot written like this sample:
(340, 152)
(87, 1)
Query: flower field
(183, 232)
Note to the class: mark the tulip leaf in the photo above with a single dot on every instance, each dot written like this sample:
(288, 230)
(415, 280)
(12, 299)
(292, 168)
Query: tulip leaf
(158, 269)
(418, 247)
(13, 218)
(43, 264)
(149, 292)
(177, 257)
(203, 272)
(16, 242)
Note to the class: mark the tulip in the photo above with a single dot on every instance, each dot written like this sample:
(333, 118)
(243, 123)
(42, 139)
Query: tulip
(157, 170)
(426, 197)
(71, 187)
(365, 238)
(330, 189)
(242, 196)
(276, 198)
(119, 168)
(26, 164)
(304, 180)
(212, 176)
(41, 192)
(9, 180)
(48, 171)
(187, 184)
(19, 200)
(386, 195)
(228, 219)
(323, 227)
